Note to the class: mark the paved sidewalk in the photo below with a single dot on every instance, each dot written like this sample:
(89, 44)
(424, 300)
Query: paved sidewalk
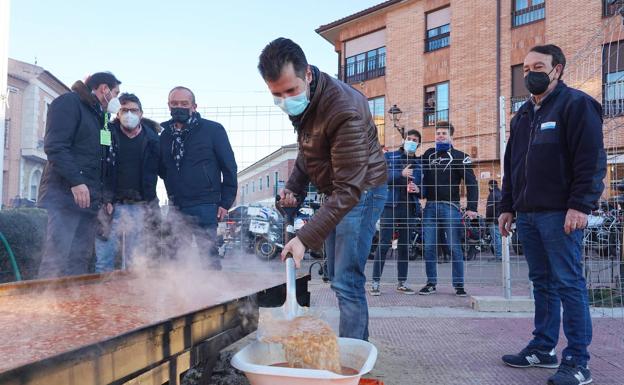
(439, 339)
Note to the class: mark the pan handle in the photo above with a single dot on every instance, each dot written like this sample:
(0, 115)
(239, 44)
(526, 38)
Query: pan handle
(291, 288)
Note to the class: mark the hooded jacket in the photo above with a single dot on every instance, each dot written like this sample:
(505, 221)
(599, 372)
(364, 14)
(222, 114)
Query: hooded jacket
(339, 152)
(72, 146)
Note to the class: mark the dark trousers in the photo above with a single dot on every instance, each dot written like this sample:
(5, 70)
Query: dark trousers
(393, 219)
(203, 223)
(69, 243)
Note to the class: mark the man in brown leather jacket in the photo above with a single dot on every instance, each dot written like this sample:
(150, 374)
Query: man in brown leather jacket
(339, 153)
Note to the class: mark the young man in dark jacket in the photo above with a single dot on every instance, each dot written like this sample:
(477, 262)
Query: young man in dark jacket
(75, 143)
(339, 153)
(130, 190)
(402, 206)
(444, 169)
(555, 164)
(199, 171)
(492, 212)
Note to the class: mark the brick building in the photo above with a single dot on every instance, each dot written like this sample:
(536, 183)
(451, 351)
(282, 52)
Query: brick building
(31, 90)
(453, 59)
(259, 183)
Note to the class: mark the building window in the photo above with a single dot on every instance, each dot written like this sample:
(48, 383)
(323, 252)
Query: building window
(268, 182)
(527, 11)
(253, 186)
(260, 184)
(610, 7)
(438, 29)
(436, 104)
(35, 177)
(519, 93)
(377, 109)
(613, 78)
(365, 66)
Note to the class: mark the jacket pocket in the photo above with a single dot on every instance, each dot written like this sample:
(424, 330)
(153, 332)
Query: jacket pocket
(207, 176)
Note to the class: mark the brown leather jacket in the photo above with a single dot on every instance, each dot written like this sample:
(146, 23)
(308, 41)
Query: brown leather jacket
(339, 152)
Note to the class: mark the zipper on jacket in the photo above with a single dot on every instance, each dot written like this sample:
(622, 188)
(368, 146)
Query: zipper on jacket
(535, 121)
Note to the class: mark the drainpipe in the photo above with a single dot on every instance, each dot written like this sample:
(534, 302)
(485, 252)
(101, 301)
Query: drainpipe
(498, 72)
(4, 95)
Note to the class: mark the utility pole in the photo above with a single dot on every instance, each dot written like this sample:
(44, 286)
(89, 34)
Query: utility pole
(4, 94)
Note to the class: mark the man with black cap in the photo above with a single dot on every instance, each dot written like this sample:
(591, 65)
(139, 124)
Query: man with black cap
(75, 142)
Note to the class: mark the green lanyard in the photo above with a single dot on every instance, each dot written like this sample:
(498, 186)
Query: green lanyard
(105, 135)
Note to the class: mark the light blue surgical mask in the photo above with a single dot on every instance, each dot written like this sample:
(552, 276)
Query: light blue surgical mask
(410, 146)
(293, 105)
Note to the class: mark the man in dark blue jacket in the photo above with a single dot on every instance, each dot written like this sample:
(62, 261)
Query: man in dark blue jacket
(130, 185)
(444, 169)
(555, 164)
(404, 172)
(75, 142)
(199, 170)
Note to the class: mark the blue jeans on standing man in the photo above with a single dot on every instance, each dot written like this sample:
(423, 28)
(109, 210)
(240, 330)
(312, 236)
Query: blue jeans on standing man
(126, 229)
(443, 216)
(347, 249)
(202, 220)
(497, 241)
(393, 219)
(555, 268)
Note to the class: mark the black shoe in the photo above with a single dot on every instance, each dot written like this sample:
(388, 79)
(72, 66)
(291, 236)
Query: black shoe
(531, 357)
(374, 290)
(460, 292)
(427, 289)
(570, 374)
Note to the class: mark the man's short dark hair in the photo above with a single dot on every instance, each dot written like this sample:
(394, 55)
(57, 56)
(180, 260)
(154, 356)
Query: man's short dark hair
(178, 88)
(415, 133)
(445, 125)
(279, 53)
(99, 78)
(125, 98)
(557, 55)
(493, 183)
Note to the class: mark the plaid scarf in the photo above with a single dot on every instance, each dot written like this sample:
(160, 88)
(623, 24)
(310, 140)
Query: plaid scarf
(179, 136)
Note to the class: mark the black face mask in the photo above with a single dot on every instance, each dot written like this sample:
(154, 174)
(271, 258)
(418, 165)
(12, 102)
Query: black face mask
(180, 115)
(537, 82)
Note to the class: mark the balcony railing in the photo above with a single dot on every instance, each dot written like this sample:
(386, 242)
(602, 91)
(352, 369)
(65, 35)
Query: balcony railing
(610, 8)
(517, 102)
(437, 38)
(613, 99)
(365, 69)
(528, 15)
(431, 117)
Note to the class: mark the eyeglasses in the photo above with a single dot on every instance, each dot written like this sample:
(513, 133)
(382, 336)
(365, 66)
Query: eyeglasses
(123, 110)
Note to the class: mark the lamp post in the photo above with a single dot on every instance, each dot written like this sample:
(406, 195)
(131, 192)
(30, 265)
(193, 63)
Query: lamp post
(395, 113)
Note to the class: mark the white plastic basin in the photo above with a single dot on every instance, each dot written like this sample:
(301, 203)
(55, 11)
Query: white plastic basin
(255, 361)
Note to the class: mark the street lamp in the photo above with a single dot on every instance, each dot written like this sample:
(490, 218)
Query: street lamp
(395, 112)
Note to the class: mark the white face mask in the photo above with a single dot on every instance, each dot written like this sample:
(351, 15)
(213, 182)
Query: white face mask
(113, 105)
(129, 120)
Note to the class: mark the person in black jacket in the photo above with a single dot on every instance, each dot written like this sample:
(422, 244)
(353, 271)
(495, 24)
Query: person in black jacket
(71, 188)
(444, 169)
(492, 211)
(555, 164)
(130, 188)
(199, 170)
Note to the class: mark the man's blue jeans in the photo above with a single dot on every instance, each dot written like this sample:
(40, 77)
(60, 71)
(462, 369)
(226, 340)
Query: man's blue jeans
(203, 223)
(496, 241)
(393, 219)
(126, 229)
(347, 249)
(555, 268)
(443, 216)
